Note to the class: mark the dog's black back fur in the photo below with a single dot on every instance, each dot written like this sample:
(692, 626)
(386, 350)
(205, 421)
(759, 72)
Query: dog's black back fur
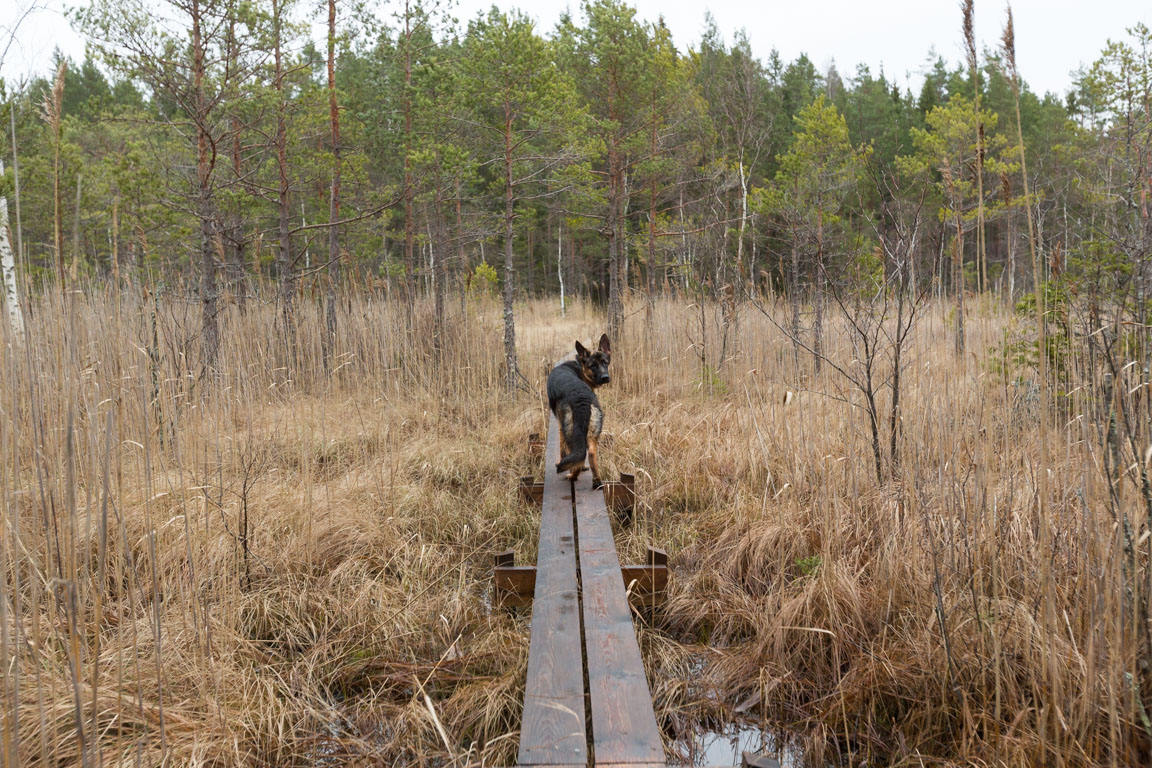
(566, 385)
(571, 397)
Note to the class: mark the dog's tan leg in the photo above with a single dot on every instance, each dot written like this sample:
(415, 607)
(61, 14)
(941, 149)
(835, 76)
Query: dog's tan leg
(593, 441)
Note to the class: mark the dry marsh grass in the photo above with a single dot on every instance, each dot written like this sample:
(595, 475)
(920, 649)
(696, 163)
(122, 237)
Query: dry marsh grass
(285, 567)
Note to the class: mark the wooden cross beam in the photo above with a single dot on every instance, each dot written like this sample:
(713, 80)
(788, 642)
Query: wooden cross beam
(619, 494)
(513, 585)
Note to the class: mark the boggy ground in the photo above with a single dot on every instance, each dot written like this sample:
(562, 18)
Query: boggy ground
(279, 566)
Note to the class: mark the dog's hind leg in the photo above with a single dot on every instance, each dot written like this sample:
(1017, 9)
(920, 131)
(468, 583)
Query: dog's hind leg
(593, 441)
(564, 417)
(573, 439)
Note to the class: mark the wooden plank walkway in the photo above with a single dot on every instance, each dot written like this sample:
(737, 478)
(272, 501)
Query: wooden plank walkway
(552, 731)
(623, 723)
(583, 624)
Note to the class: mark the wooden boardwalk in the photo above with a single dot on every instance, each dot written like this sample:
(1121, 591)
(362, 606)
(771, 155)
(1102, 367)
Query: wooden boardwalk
(586, 698)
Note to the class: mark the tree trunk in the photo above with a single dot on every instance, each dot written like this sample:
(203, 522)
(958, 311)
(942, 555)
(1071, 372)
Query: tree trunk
(1006, 183)
(8, 265)
(622, 236)
(981, 235)
(116, 243)
(284, 266)
(531, 258)
(511, 369)
(818, 298)
(958, 272)
(650, 299)
(329, 338)
(439, 274)
(16, 182)
(560, 265)
(58, 214)
(894, 415)
(409, 195)
(461, 258)
(57, 203)
(76, 255)
(209, 336)
(744, 274)
(234, 238)
(615, 301)
(794, 297)
(684, 257)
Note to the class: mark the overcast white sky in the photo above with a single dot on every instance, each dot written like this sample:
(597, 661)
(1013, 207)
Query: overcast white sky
(1053, 37)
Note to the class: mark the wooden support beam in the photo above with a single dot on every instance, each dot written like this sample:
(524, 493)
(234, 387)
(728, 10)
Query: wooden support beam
(514, 585)
(531, 491)
(753, 760)
(657, 556)
(644, 579)
(620, 495)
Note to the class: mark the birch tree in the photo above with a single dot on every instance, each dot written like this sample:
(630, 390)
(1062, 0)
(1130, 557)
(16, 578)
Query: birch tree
(8, 266)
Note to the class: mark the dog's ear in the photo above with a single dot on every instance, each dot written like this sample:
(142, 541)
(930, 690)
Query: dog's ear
(605, 345)
(581, 352)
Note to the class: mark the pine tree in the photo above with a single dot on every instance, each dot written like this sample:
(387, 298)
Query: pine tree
(816, 176)
(519, 102)
(609, 58)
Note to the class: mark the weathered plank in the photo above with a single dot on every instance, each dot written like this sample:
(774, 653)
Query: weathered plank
(552, 730)
(623, 724)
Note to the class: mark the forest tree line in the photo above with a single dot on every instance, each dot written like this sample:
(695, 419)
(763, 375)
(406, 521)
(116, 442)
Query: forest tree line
(214, 142)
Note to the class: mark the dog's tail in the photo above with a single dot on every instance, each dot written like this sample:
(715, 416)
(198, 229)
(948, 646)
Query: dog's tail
(578, 438)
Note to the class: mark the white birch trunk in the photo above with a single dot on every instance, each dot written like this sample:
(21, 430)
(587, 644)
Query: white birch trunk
(560, 266)
(743, 218)
(8, 265)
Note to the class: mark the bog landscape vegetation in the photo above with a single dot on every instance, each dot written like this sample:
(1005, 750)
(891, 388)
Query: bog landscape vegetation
(279, 311)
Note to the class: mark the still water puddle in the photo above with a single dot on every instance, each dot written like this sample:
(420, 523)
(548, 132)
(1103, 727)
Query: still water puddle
(726, 747)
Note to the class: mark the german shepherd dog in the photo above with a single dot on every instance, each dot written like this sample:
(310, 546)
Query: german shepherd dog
(572, 398)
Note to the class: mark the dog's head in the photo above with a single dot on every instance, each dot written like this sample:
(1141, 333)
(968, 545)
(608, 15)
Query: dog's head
(594, 365)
